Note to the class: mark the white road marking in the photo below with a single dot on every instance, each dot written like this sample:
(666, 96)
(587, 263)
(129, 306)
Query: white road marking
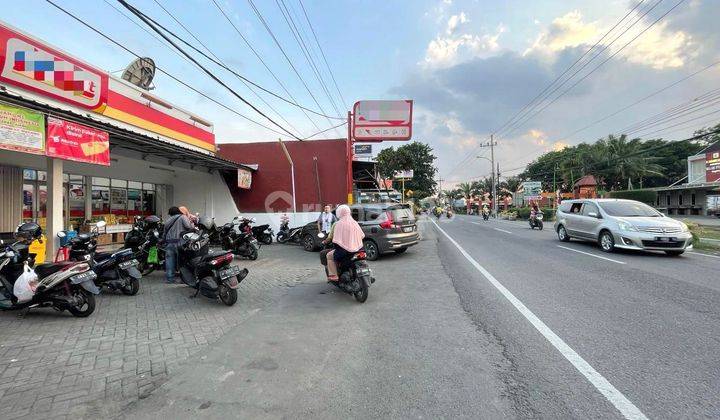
(592, 255)
(503, 230)
(704, 255)
(615, 397)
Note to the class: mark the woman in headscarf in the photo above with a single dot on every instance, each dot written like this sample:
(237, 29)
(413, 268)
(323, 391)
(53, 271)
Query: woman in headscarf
(347, 235)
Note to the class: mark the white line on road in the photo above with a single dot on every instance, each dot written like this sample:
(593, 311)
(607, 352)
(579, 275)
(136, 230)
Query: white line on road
(592, 255)
(503, 230)
(626, 408)
(704, 255)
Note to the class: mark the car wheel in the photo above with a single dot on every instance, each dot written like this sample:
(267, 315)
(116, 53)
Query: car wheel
(371, 250)
(675, 253)
(308, 243)
(607, 242)
(562, 234)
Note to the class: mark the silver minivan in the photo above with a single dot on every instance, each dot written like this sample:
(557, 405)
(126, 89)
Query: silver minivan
(615, 223)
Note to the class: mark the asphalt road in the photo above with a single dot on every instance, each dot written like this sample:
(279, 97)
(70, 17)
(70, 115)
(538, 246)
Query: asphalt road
(647, 323)
(439, 339)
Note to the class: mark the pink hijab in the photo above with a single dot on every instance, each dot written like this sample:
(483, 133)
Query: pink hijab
(347, 233)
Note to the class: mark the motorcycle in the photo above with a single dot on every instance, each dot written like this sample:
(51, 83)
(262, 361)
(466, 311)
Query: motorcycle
(143, 240)
(208, 225)
(63, 286)
(116, 271)
(209, 273)
(486, 215)
(354, 276)
(286, 234)
(536, 221)
(263, 233)
(238, 238)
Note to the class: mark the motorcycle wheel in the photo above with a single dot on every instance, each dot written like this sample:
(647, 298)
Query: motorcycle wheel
(227, 295)
(132, 288)
(281, 238)
(266, 239)
(253, 255)
(362, 294)
(540, 225)
(146, 268)
(86, 308)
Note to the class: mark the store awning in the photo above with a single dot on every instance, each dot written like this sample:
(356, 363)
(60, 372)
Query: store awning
(124, 138)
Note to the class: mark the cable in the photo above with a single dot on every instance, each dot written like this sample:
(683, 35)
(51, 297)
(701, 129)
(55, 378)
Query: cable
(97, 31)
(323, 54)
(143, 17)
(689, 107)
(325, 130)
(218, 59)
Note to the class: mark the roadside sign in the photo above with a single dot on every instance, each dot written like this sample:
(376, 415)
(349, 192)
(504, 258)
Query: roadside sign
(404, 174)
(244, 179)
(22, 130)
(363, 149)
(712, 166)
(382, 120)
(532, 190)
(76, 142)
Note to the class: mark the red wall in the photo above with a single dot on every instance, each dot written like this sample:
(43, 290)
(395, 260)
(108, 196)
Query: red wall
(271, 189)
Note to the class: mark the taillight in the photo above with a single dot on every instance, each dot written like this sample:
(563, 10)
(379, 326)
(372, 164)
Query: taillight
(388, 223)
(222, 259)
(360, 255)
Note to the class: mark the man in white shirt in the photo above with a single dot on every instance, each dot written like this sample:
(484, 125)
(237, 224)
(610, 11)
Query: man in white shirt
(326, 219)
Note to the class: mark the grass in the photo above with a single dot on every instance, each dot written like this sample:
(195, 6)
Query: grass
(706, 232)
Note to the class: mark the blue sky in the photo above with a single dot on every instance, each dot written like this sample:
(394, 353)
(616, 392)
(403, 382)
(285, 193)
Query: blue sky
(469, 64)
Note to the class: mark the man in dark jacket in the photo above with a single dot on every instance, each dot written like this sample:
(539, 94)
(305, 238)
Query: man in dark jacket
(173, 230)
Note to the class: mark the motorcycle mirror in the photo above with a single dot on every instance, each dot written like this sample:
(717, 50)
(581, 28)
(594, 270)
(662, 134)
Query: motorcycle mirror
(61, 234)
(321, 235)
(101, 224)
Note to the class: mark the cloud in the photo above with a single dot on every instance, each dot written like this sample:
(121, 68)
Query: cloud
(660, 48)
(565, 31)
(454, 22)
(445, 51)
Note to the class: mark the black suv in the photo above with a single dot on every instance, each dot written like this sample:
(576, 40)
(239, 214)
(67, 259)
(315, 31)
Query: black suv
(387, 226)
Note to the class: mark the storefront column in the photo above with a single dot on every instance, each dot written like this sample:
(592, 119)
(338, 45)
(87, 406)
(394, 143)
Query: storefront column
(54, 222)
(87, 181)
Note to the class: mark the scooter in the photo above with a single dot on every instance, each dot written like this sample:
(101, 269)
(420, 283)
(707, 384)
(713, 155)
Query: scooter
(286, 234)
(208, 225)
(354, 276)
(238, 238)
(143, 239)
(263, 233)
(537, 221)
(116, 271)
(486, 215)
(62, 286)
(209, 273)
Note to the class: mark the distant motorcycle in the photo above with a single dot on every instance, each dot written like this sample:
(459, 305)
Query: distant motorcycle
(486, 215)
(536, 221)
(238, 238)
(288, 235)
(263, 233)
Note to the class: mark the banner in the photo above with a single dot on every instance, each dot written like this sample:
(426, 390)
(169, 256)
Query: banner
(532, 190)
(712, 167)
(363, 149)
(71, 141)
(22, 130)
(244, 179)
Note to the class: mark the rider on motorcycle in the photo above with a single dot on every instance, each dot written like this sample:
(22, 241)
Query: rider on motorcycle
(347, 238)
(534, 209)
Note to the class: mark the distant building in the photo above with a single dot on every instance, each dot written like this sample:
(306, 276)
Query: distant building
(700, 195)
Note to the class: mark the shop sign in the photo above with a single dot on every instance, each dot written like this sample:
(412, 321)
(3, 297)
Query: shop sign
(382, 120)
(712, 167)
(244, 179)
(71, 141)
(22, 130)
(28, 64)
(532, 190)
(363, 149)
(408, 174)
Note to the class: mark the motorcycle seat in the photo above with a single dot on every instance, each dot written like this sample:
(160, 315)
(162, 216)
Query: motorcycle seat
(101, 256)
(212, 255)
(44, 270)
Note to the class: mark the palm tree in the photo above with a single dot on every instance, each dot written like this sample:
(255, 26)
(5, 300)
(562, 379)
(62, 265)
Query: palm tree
(465, 189)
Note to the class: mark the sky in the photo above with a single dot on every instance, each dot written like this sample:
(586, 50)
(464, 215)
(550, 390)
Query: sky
(469, 65)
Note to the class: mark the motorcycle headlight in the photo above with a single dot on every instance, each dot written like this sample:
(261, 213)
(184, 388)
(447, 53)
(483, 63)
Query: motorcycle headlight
(684, 228)
(626, 226)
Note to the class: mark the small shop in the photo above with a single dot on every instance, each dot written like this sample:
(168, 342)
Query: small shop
(78, 145)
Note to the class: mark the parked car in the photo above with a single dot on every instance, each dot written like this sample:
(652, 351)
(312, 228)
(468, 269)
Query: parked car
(628, 224)
(388, 227)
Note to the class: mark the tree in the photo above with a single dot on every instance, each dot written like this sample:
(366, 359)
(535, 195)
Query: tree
(465, 189)
(414, 156)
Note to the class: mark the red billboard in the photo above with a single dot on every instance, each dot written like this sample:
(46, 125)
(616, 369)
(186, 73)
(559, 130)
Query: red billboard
(71, 141)
(712, 167)
(382, 120)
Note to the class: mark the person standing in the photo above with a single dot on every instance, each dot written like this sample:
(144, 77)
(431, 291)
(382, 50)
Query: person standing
(326, 220)
(173, 229)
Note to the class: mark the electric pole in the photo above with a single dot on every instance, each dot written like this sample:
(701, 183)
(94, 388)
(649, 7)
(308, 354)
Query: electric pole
(494, 177)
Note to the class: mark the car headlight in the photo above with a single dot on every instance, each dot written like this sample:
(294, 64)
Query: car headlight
(684, 227)
(626, 226)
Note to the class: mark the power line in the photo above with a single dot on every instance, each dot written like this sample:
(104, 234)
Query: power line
(259, 57)
(323, 54)
(325, 130)
(144, 18)
(160, 69)
(218, 59)
(689, 107)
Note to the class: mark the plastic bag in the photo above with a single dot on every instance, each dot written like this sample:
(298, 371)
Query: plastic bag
(153, 255)
(25, 285)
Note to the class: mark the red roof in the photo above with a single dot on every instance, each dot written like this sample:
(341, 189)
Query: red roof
(586, 181)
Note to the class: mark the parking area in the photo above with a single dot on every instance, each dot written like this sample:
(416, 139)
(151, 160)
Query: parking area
(55, 365)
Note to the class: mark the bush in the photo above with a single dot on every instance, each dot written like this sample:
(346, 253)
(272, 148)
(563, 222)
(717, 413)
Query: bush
(524, 213)
(644, 196)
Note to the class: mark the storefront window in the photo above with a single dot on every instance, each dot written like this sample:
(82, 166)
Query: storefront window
(42, 205)
(101, 182)
(76, 199)
(41, 176)
(134, 202)
(28, 198)
(100, 197)
(29, 174)
(148, 202)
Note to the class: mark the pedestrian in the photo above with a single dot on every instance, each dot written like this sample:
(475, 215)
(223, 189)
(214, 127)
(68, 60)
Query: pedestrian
(193, 218)
(174, 228)
(347, 238)
(326, 220)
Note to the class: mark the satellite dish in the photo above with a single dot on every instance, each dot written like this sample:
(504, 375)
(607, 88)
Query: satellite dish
(140, 73)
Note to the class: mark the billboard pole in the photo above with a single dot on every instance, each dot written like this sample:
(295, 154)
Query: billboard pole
(492, 166)
(292, 173)
(349, 154)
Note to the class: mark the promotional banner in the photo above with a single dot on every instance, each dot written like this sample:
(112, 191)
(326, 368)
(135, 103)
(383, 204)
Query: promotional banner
(71, 141)
(244, 179)
(531, 190)
(712, 167)
(22, 130)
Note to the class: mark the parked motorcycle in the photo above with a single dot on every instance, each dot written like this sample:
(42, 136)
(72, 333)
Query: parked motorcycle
(354, 276)
(209, 273)
(263, 233)
(207, 224)
(239, 239)
(116, 271)
(537, 221)
(62, 286)
(143, 239)
(286, 234)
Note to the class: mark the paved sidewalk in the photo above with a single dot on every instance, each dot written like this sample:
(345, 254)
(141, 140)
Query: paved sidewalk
(55, 365)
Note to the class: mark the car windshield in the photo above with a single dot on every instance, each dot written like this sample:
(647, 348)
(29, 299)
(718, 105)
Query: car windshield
(629, 209)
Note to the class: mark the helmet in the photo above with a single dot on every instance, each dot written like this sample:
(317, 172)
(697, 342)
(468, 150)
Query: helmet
(206, 222)
(28, 231)
(152, 221)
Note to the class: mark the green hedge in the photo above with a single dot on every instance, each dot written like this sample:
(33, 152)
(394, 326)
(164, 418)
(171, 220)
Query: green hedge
(644, 196)
(524, 213)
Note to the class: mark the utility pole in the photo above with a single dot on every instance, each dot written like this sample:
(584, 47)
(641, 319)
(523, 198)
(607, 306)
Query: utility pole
(494, 177)
(497, 184)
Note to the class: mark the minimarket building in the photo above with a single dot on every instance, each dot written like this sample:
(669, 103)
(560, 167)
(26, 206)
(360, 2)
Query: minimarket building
(79, 144)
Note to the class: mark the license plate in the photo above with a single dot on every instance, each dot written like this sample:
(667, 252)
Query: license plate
(408, 229)
(363, 271)
(127, 264)
(666, 239)
(229, 272)
(86, 276)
